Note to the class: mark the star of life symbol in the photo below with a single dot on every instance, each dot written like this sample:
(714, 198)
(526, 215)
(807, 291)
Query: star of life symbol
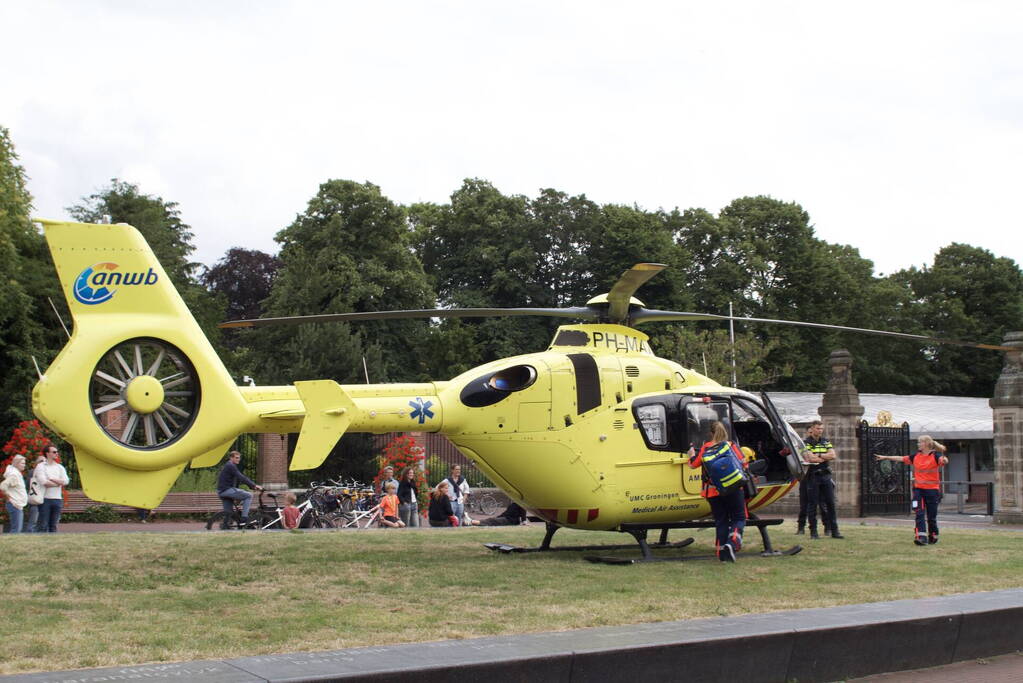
(421, 410)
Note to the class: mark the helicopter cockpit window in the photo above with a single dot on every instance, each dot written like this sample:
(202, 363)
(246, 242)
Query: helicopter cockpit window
(700, 417)
(653, 419)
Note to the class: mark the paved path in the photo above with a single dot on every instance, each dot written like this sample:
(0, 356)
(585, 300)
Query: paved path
(1003, 669)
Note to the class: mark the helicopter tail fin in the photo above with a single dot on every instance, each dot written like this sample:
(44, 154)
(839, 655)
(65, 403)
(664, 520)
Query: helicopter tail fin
(138, 390)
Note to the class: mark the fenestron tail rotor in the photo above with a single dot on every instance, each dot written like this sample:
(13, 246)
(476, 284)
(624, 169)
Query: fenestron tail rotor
(144, 393)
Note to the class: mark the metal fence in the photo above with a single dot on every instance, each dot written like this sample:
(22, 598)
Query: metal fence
(441, 454)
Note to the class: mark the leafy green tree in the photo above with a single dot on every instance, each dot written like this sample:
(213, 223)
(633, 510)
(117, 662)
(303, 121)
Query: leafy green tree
(348, 252)
(23, 286)
(710, 353)
(168, 236)
(244, 277)
(969, 294)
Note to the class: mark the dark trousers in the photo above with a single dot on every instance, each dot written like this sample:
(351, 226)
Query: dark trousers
(820, 491)
(729, 514)
(801, 522)
(49, 514)
(925, 503)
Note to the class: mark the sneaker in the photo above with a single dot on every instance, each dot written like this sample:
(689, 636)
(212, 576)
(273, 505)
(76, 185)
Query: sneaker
(800, 531)
(727, 553)
(920, 540)
(933, 540)
(835, 534)
(736, 541)
(813, 535)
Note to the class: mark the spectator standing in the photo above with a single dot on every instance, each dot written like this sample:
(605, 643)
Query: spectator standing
(13, 487)
(458, 490)
(408, 505)
(52, 475)
(35, 498)
(387, 477)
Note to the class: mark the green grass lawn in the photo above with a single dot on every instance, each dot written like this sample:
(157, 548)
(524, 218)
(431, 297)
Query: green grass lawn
(103, 599)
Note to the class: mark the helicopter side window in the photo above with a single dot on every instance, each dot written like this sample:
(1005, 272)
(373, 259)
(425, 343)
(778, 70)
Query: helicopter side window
(701, 416)
(653, 420)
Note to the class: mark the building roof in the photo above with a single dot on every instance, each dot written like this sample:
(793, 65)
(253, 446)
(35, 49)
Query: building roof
(943, 417)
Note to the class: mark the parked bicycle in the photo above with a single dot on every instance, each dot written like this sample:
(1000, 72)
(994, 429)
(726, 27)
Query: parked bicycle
(260, 516)
(482, 504)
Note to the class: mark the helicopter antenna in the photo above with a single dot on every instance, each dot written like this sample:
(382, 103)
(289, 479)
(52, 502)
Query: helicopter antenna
(57, 313)
(365, 370)
(731, 337)
(36, 363)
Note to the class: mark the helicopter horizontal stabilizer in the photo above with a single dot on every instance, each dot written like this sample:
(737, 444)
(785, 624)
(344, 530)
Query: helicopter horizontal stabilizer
(328, 414)
(212, 457)
(119, 486)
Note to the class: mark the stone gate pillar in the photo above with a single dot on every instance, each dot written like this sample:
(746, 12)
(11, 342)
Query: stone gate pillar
(840, 412)
(1007, 409)
(272, 463)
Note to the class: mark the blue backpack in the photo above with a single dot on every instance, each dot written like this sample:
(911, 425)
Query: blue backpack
(723, 468)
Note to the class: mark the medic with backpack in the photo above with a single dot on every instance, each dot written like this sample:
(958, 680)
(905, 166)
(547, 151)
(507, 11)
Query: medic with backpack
(926, 464)
(723, 486)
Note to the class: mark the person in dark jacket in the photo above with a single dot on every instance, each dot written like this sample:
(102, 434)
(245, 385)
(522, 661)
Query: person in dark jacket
(408, 506)
(227, 488)
(513, 515)
(441, 512)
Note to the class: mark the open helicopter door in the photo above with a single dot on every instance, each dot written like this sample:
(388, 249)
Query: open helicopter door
(785, 435)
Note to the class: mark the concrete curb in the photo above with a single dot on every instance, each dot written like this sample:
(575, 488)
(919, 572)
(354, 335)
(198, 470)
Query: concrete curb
(820, 644)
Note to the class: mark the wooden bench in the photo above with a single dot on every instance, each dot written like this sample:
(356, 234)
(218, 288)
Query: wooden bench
(206, 502)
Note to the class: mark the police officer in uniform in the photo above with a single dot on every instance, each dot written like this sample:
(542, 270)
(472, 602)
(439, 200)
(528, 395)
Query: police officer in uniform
(820, 489)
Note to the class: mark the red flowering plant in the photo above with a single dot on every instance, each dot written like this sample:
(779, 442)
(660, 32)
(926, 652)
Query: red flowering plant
(400, 452)
(29, 439)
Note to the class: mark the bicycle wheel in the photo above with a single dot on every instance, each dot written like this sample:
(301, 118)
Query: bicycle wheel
(215, 522)
(488, 504)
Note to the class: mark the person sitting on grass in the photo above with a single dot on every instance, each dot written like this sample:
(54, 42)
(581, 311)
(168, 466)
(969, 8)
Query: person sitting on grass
(441, 513)
(389, 507)
(290, 515)
(513, 515)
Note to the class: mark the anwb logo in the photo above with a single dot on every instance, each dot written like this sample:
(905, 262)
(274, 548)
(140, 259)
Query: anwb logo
(96, 284)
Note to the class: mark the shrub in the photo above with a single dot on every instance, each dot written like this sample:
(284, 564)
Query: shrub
(99, 514)
(402, 451)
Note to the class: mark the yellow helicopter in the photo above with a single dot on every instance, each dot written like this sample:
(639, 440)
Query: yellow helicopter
(590, 433)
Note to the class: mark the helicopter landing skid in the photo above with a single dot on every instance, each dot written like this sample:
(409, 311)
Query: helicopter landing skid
(639, 532)
(503, 548)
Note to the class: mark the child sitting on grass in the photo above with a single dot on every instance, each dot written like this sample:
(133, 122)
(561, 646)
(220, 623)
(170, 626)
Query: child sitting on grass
(291, 515)
(389, 508)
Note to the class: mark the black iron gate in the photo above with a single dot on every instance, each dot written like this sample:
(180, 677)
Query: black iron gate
(884, 484)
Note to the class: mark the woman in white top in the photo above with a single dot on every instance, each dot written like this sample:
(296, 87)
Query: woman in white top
(54, 477)
(13, 486)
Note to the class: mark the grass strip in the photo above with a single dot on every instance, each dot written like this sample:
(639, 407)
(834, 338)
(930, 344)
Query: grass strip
(104, 599)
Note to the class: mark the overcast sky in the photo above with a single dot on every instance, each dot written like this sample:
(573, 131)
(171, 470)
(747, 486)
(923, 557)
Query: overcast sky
(897, 125)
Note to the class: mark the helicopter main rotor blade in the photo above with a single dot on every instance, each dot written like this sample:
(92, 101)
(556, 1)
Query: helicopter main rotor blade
(647, 315)
(620, 296)
(577, 312)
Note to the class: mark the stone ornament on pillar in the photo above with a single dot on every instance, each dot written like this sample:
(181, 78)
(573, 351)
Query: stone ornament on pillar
(1007, 416)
